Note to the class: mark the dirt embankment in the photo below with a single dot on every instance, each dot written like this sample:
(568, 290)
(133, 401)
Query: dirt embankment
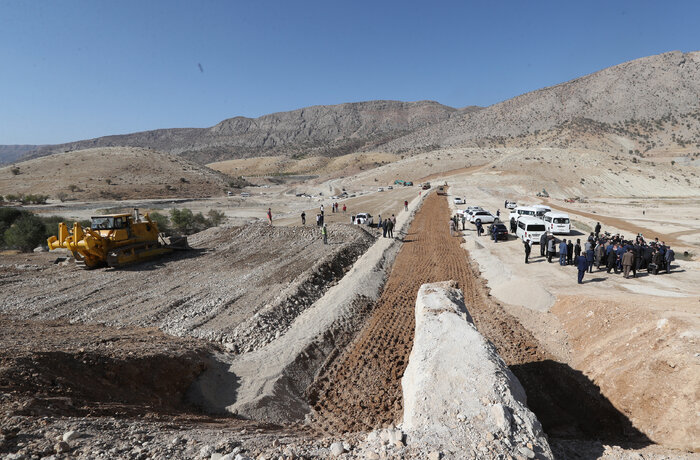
(212, 292)
(52, 367)
(644, 360)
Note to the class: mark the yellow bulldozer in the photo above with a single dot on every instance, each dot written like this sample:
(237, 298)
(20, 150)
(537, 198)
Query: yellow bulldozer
(114, 240)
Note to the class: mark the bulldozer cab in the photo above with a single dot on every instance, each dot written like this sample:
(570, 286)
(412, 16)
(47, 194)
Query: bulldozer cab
(109, 222)
(116, 227)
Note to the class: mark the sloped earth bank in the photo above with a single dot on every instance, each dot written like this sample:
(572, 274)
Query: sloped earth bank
(361, 389)
(240, 286)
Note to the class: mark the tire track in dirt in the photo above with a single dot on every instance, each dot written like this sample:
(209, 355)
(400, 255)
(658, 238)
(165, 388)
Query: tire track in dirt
(361, 389)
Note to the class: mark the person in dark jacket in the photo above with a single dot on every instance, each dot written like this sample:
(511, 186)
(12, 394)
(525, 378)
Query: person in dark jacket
(562, 252)
(512, 224)
(670, 257)
(612, 260)
(550, 248)
(569, 252)
(577, 249)
(597, 229)
(543, 244)
(528, 248)
(384, 228)
(582, 265)
(589, 260)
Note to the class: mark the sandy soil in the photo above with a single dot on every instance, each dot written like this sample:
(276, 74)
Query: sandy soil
(590, 326)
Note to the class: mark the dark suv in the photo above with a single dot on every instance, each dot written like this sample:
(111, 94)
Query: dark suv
(501, 231)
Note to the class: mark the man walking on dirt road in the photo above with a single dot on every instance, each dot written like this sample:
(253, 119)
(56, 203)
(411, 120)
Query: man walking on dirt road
(405, 205)
(390, 227)
(324, 232)
(627, 261)
(269, 215)
(582, 265)
(303, 218)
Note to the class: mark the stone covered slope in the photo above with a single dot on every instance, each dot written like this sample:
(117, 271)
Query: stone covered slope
(327, 130)
(646, 88)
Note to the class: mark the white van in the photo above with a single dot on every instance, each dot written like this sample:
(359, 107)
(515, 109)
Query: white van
(522, 211)
(530, 228)
(541, 210)
(557, 222)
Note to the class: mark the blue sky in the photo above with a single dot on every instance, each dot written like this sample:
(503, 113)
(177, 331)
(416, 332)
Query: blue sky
(73, 70)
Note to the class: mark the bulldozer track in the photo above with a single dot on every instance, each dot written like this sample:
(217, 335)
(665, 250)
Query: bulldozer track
(362, 388)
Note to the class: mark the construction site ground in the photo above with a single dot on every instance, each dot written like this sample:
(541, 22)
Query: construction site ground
(206, 302)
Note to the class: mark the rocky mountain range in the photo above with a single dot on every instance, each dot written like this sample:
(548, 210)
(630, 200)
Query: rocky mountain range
(644, 90)
(10, 153)
(319, 130)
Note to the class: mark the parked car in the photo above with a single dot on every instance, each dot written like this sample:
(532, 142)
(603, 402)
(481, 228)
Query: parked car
(484, 217)
(380, 189)
(390, 187)
(511, 204)
(459, 200)
(245, 194)
(501, 231)
(363, 218)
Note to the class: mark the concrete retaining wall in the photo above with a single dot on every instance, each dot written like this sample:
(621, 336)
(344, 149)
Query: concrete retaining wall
(459, 396)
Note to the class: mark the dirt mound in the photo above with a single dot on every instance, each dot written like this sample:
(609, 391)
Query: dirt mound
(209, 292)
(52, 367)
(119, 173)
(648, 366)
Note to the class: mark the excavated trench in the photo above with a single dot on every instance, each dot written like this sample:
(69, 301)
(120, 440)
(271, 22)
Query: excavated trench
(361, 388)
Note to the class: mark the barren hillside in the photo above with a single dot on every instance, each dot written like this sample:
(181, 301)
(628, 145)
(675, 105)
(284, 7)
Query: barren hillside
(650, 88)
(111, 173)
(319, 130)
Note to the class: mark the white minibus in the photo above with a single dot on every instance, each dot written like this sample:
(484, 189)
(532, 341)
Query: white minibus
(557, 223)
(530, 228)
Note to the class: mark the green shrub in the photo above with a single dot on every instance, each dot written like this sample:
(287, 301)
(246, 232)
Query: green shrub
(185, 222)
(162, 221)
(25, 233)
(34, 199)
(216, 218)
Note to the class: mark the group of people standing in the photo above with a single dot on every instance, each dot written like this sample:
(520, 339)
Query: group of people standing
(387, 226)
(613, 252)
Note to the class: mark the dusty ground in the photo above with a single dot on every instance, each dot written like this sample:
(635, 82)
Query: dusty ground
(599, 371)
(620, 333)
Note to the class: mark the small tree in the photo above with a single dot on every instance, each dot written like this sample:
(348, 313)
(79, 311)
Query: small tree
(25, 233)
(15, 170)
(216, 218)
(73, 188)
